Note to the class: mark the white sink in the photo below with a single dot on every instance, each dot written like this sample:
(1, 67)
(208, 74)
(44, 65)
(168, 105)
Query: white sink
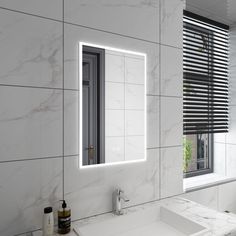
(154, 221)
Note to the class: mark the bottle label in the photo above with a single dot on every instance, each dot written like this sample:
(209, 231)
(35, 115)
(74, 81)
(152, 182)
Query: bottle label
(64, 223)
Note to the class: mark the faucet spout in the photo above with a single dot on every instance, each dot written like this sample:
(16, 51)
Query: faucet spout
(118, 199)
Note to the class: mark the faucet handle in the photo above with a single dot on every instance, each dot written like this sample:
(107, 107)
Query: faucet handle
(121, 194)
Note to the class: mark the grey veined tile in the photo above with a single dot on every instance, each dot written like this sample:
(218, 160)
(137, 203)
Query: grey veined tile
(94, 186)
(75, 34)
(30, 51)
(135, 18)
(26, 187)
(51, 9)
(30, 123)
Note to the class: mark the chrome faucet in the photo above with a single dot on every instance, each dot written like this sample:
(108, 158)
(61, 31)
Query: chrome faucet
(118, 198)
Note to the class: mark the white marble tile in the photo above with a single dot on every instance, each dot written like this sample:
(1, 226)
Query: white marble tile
(227, 196)
(89, 191)
(171, 121)
(134, 148)
(134, 123)
(123, 17)
(114, 67)
(134, 70)
(26, 187)
(207, 197)
(115, 95)
(114, 123)
(51, 9)
(219, 158)
(230, 160)
(171, 71)
(134, 97)
(153, 124)
(171, 171)
(220, 138)
(231, 135)
(31, 50)
(75, 34)
(71, 122)
(114, 149)
(30, 123)
(172, 22)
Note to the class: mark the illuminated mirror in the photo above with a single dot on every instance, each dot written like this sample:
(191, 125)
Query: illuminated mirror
(112, 105)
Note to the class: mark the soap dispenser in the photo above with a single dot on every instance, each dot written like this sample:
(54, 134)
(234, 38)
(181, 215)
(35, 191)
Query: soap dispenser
(64, 219)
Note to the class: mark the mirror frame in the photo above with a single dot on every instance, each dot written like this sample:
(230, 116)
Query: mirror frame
(80, 77)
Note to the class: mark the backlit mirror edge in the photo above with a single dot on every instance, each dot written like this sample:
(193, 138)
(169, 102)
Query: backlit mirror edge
(80, 77)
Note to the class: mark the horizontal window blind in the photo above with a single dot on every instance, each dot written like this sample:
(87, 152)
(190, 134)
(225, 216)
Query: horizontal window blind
(205, 82)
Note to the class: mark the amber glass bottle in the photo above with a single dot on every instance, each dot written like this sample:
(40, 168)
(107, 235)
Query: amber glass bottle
(64, 219)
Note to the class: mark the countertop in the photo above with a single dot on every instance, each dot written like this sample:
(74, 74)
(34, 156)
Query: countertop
(218, 223)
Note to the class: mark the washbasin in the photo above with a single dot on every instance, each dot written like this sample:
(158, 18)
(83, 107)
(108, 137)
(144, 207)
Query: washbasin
(154, 221)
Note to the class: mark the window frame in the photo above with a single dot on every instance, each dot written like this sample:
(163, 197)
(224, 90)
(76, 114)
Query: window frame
(210, 168)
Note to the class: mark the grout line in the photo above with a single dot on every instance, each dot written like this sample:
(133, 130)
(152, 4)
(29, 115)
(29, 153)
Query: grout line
(30, 14)
(63, 101)
(122, 35)
(37, 87)
(87, 27)
(159, 160)
(36, 158)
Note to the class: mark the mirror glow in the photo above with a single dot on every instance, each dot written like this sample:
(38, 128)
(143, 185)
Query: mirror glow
(112, 120)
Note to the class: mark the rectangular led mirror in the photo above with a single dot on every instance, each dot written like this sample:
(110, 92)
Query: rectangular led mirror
(112, 84)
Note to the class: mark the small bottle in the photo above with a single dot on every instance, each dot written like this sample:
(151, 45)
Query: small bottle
(64, 219)
(48, 222)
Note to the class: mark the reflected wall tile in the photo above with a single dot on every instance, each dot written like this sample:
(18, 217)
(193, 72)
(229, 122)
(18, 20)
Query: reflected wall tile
(114, 67)
(172, 22)
(26, 187)
(134, 123)
(171, 171)
(134, 148)
(76, 34)
(51, 9)
(114, 123)
(114, 98)
(171, 121)
(71, 122)
(134, 70)
(153, 118)
(31, 50)
(207, 197)
(114, 149)
(89, 191)
(106, 15)
(133, 97)
(171, 71)
(30, 123)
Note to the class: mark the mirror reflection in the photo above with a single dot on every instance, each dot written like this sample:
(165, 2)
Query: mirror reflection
(113, 105)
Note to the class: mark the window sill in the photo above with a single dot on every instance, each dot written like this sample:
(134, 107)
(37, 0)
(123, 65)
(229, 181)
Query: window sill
(205, 181)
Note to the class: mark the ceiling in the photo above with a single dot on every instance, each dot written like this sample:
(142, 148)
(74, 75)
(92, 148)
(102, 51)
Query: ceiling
(223, 11)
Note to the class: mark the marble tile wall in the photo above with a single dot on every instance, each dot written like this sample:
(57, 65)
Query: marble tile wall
(39, 99)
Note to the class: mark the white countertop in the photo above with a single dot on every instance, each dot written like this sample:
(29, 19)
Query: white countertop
(218, 223)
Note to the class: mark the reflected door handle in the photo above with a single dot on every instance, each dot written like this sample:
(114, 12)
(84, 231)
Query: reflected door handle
(91, 152)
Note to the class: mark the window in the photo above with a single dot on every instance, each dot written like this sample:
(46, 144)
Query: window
(205, 90)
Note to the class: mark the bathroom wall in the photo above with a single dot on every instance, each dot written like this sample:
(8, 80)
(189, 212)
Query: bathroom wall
(39, 105)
